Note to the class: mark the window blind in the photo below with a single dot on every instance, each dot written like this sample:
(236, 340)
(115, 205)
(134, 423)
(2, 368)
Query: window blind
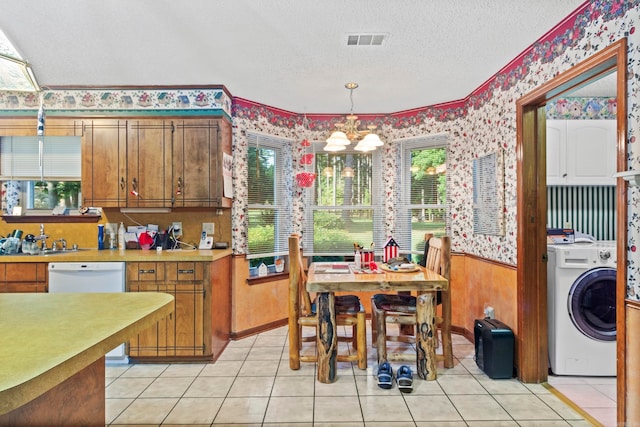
(344, 206)
(20, 158)
(422, 191)
(269, 202)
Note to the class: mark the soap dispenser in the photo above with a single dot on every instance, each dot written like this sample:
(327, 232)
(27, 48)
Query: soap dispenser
(121, 243)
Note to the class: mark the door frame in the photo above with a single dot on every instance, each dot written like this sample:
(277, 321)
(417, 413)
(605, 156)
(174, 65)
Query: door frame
(532, 345)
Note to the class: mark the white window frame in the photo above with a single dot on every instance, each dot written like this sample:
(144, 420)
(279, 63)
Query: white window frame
(30, 159)
(404, 225)
(283, 206)
(376, 206)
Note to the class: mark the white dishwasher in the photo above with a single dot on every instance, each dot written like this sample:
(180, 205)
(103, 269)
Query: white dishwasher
(85, 277)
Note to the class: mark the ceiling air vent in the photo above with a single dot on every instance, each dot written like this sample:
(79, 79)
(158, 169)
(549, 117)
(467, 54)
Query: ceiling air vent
(365, 39)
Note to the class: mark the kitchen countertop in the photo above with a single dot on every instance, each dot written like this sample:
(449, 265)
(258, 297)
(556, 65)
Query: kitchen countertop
(129, 255)
(47, 338)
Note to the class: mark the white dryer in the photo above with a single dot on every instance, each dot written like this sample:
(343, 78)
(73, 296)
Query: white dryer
(581, 307)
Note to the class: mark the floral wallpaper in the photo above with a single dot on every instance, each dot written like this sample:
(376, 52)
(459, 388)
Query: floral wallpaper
(10, 196)
(481, 124)
(118, 100)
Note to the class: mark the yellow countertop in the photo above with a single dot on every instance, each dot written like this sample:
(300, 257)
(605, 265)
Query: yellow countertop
(129, 255)
(47, 338)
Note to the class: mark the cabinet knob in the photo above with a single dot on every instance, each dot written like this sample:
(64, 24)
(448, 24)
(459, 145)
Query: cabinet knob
(186, 271)
(152, 271)
(122, 183)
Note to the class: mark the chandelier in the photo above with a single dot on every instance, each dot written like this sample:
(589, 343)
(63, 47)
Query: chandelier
(349, 131)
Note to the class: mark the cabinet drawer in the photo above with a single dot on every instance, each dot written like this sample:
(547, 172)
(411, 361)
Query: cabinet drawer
(25, 272)
(145, 271)
(185, 271)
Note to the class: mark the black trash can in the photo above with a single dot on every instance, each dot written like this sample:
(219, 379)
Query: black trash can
(494, 344)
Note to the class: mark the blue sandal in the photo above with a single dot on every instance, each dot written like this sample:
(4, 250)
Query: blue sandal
(385, 375)
(405, 379)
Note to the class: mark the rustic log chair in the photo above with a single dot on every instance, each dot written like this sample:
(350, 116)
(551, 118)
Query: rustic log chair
(349, 312)
(401, 309)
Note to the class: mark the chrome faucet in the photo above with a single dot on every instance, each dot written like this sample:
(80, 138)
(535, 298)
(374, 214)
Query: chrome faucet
(54, 245)
(43, 238)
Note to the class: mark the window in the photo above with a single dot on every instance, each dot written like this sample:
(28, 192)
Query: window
(344, 205)
(423, 194)
(43, 179)
(269, 205)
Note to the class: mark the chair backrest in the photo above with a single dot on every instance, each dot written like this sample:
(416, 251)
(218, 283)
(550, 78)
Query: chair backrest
(437, 254)
(298, 275)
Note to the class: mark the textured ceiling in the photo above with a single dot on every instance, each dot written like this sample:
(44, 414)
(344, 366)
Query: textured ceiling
(289, 54)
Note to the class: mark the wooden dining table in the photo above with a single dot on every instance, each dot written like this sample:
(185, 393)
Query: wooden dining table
(328, 278)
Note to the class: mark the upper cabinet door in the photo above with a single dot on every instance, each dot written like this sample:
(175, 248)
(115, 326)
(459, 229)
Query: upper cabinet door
(581, 152)
(149, 163)
(556, 152)
(591, 152)
(198, 145)
(104, 163)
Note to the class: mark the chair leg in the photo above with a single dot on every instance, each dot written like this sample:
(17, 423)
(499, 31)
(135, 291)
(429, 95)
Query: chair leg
(361, 338)
(445, 329)
(354, 336)
(374, 330)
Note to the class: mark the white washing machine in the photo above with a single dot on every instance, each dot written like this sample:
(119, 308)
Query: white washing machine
(581, 307)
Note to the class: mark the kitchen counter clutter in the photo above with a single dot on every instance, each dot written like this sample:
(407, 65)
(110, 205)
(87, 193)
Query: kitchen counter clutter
(52, 345)
(110, 255)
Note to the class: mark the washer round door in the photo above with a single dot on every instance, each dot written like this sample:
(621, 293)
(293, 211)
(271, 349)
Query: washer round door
(592, 303)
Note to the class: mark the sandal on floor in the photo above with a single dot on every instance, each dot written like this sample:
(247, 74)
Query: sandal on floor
(405, 379)
(385, 375)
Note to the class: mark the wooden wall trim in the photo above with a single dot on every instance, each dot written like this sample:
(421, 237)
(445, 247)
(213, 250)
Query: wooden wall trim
(488, 261)
(263, 328)
(631, 359)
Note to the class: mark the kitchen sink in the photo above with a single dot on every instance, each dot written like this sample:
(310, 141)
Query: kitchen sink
(49, 252)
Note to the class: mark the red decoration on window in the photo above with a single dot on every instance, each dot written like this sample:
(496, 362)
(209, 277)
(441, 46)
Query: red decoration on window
(305, 179)
(306, 159)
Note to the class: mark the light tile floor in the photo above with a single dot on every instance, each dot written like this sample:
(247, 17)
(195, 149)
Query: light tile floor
(595, 395)
(251, 384)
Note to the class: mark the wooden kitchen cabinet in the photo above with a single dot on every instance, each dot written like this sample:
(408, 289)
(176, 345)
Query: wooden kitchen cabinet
(155, 163)
(126, 163)
(182, 334)
(148, 161)
(23, 277)
(104, 163)
(198, 147)
(54, 126)
(189, 293)
(149, 277)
